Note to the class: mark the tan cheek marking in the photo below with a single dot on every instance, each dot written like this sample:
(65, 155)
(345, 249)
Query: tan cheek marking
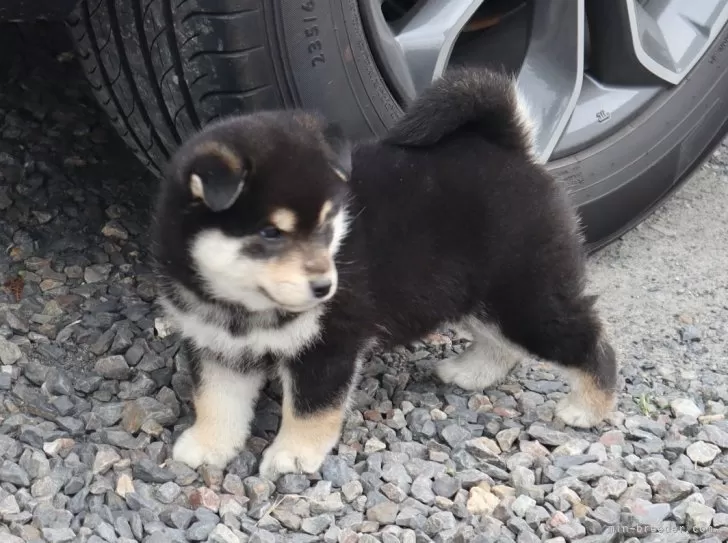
(284, 219)
(223, 152)
(288, 269)
(325, 210)
(196, 186)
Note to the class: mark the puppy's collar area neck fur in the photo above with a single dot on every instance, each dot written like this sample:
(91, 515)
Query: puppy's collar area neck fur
(188, 300)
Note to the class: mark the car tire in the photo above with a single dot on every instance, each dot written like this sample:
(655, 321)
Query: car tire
(164, 68)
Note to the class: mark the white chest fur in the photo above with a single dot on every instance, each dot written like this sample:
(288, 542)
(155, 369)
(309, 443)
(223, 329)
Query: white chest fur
(284, 341)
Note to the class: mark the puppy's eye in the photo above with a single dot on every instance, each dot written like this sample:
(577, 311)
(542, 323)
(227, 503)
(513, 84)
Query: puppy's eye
(270, 232)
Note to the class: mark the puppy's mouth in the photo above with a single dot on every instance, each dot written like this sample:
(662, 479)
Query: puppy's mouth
(288, 307)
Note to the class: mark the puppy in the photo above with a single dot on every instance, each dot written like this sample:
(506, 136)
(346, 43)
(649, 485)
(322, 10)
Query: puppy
(283, 254)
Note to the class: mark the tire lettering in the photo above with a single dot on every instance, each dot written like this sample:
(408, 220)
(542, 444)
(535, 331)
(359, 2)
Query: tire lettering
(311, 32)
(721, 48)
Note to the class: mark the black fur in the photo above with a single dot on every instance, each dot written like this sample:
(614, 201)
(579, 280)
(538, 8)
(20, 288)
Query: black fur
(481, 102)
(449, 218)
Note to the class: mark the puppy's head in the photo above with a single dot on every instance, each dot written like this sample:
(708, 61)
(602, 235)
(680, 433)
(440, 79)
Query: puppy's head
(258, 202)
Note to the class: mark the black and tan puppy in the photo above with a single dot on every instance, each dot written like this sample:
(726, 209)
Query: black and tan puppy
(283, 255)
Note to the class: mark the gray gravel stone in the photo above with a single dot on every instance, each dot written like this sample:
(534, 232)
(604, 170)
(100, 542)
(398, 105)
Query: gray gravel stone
(421, 490)
(176, 517)
(384, 512)
(454, 434)
(113, 367)
(352, 490)
(446, 486)
(105, 458)
(546, 435)
(522, 505)
(316, 525)
(698, 517)
(712, 434)
(149, 472)
(393, 492)
(136, 413)
(647, 513)
(702, 452)
(439, 522)
(685, 407)
(222, 534)
(58, 535)
(199, 531)
(669, 489)
(337, 471)
(9, 352)
(10, 472)
(570, 531)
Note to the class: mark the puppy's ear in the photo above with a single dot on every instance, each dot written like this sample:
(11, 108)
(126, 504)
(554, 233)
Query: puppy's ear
(216, 175)
(341, 148)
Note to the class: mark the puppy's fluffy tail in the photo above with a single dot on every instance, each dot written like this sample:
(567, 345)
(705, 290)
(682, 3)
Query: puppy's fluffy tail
(475, 100)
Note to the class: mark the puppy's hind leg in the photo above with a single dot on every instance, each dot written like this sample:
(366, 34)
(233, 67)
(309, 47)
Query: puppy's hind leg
(486, 361)
(566, 330)
(593, 385)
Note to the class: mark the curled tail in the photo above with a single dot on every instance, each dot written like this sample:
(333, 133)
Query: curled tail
(476, 100)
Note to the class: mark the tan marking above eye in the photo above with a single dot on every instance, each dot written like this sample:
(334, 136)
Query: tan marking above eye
(223, 152)
(284, 219)
(196, 186)
(325, 210)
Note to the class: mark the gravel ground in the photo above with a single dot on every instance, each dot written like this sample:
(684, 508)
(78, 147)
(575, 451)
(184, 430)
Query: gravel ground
(92, 393)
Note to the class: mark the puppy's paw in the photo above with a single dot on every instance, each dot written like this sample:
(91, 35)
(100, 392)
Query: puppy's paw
(285, 457)
(450, 372)
(468, 374)
(576, 413)
(193, 449)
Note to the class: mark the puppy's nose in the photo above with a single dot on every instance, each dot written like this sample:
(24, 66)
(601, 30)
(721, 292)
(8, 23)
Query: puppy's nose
(320, 287)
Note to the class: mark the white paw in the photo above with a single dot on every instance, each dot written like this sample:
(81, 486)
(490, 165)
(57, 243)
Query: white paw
(576, 414)
(282, 457)
(193, 450)
(463, 374)
(448, 372)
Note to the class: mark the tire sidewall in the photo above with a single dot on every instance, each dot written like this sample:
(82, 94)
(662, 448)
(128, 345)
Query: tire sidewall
(333, 70)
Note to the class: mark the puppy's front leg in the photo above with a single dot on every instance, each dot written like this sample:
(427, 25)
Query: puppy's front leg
(316, 390)
(224, 401)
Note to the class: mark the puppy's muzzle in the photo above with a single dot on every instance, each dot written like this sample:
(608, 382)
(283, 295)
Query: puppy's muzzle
(320, 288)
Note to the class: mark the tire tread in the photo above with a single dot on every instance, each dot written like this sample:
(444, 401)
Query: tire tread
(160, 71)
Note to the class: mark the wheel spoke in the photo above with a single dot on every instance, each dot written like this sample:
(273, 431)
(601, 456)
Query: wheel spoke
(670, 37)
(651, 43)
(427, 37)
(552, 72)
(416, 49)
